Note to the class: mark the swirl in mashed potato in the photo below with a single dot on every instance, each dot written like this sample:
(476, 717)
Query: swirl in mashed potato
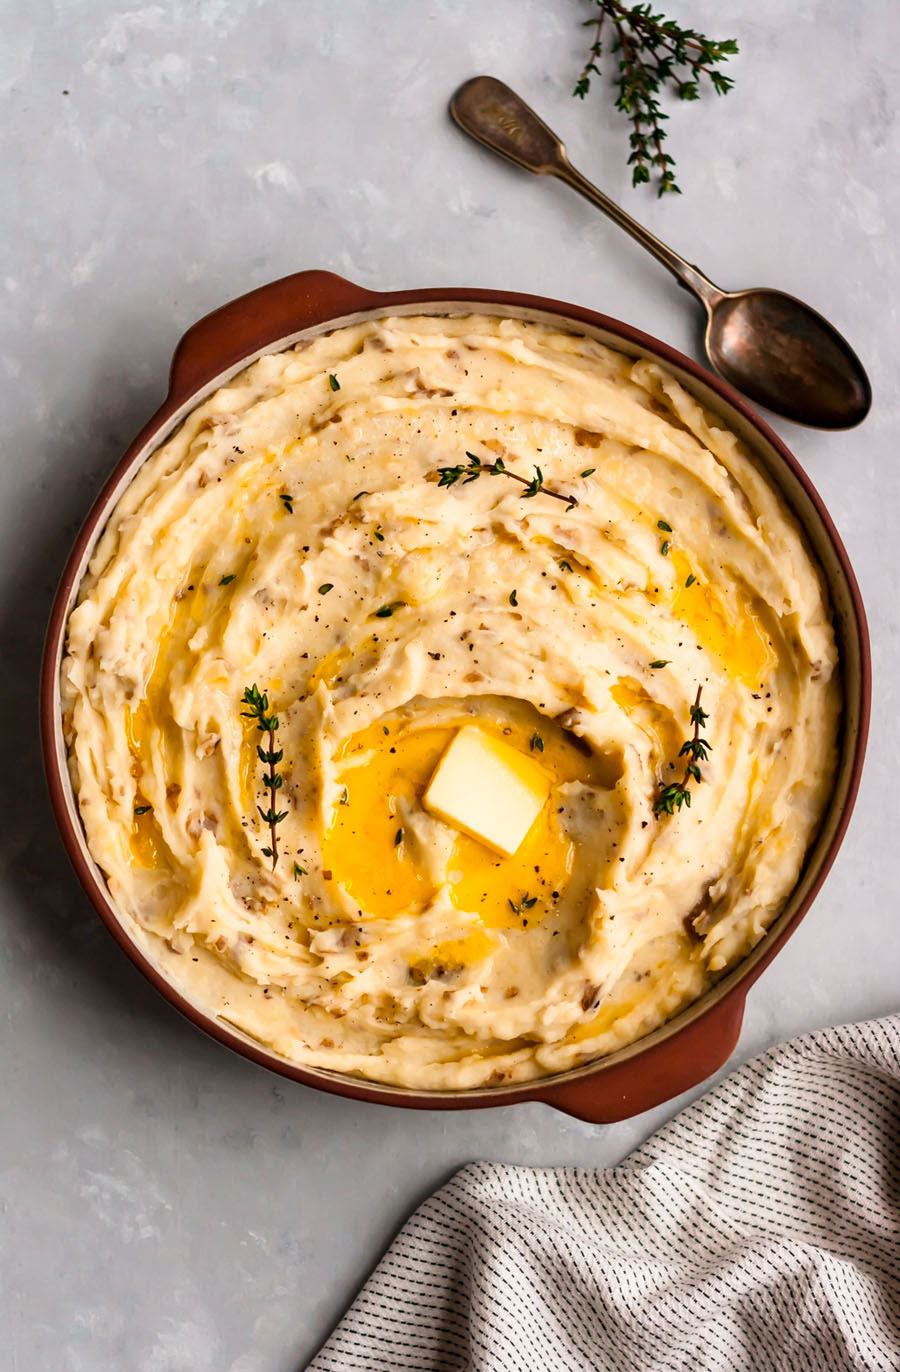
(258, 545)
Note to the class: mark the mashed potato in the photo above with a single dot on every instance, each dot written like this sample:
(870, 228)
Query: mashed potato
(294, 535)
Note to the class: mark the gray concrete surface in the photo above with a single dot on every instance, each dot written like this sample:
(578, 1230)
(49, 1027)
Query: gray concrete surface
(165, 1205)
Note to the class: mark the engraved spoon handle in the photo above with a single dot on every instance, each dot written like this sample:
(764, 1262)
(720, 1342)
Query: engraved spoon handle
(495, 116)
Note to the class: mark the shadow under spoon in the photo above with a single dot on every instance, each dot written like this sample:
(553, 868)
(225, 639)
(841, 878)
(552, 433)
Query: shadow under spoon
(768, 345)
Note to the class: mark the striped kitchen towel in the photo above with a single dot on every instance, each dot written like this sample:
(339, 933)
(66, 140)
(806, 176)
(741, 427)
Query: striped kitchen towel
(760, 1229)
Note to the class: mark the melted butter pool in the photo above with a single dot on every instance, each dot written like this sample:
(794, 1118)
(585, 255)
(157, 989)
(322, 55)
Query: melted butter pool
(383, 772)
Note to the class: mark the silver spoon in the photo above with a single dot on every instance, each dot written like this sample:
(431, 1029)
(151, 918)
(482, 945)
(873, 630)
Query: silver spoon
(769, 345)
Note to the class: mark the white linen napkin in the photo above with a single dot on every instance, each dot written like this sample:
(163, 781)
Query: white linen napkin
(759, 1229)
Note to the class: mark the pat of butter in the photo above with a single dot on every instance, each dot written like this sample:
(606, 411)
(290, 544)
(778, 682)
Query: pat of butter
(487, 789)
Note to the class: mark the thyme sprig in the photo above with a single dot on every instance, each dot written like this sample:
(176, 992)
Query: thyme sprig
(654, 53)
(474, 468)
(258, 709)
(696, 750)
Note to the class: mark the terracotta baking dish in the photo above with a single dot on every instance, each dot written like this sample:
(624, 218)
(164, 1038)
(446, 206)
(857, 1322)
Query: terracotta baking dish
(698, 1041)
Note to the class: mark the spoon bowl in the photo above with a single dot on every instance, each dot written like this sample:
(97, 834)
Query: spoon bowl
(784, 355)
(772, 347)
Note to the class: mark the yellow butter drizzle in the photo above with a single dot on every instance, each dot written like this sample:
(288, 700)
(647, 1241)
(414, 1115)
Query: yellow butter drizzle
(361, 848)
(329, 669)
(741, 644)
(684, 950)
(146, 840)
(455, 953)
(601, 1022)
(153, 718)
(662, 729)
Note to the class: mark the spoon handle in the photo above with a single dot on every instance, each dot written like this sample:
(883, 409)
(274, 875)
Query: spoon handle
(495, 116)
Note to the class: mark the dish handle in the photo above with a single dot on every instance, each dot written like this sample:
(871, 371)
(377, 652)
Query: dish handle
(255, 322)
(658, 1074)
